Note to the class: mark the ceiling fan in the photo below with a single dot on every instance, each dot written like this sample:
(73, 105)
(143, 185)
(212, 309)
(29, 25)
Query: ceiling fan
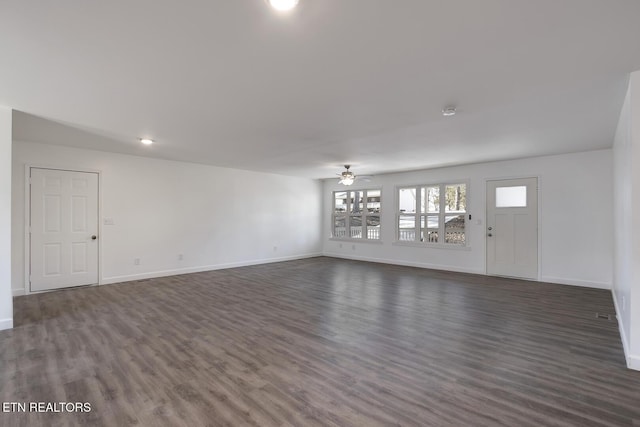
(347, 177)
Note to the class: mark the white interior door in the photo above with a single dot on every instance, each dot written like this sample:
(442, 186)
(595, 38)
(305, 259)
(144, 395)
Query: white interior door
(512, 228)
(64, 229)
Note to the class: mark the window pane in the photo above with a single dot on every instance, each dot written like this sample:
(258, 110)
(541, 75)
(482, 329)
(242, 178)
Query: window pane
(340, 204)
(357, 201)
(511, 197)
(407, 228)
(356, 214)
(340, 226)
(454, 229)
(373, 201)
(430, 199)
(456, 198)
(373, 227)
(407, 200)
(429, 227)
(355, 227)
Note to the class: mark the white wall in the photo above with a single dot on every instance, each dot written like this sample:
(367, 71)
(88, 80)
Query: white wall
(216, 217)
(627, 231)
(6, 301)
(575, 217)
(634, 309)
(623, 248)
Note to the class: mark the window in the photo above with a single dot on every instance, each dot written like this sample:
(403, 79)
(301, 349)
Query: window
(433, 214)
(356, 214)
(511, 197)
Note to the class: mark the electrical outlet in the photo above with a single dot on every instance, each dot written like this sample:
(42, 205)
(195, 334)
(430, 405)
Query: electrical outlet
(136, 261)
(180, 257)
(275, 249)
(340, 245)
(353, 247)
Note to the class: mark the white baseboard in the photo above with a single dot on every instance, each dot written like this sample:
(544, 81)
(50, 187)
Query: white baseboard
(576, 282)
(6, 324)
(404, 263)
(623, 335)
(17, 292)
(558, 280)
(188, 270)
(633, 361)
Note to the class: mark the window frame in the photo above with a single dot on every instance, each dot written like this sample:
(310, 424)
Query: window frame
(347, 215)
(441, 214)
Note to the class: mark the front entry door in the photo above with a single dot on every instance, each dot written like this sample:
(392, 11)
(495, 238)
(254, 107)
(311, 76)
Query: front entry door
(512, 228)
(64, 229)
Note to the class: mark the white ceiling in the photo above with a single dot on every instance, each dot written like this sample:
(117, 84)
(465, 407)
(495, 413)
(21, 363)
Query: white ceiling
(232, 83)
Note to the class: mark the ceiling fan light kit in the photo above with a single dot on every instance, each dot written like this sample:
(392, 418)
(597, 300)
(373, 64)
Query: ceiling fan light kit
(449, 111)
(347, 177)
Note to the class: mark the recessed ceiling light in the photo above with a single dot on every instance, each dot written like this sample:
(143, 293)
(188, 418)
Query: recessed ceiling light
(146, 141)
(449, 111)
(282, 5)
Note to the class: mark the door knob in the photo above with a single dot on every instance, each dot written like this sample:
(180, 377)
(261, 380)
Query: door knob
(489, 234)
(490, 228)
(94, 237)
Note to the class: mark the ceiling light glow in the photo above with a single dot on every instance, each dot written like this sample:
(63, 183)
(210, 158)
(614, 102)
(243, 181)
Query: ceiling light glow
(347, 180)
(146, 141)
(449, 111)
(283, 5)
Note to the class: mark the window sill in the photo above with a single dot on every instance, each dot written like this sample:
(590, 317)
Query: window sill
(433, 246)
(370, 241)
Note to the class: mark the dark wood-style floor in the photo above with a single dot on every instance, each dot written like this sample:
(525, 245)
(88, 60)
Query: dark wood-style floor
(320, 342)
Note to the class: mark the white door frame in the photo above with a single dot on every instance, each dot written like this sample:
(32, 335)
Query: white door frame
(500, 178)
(27, 221)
